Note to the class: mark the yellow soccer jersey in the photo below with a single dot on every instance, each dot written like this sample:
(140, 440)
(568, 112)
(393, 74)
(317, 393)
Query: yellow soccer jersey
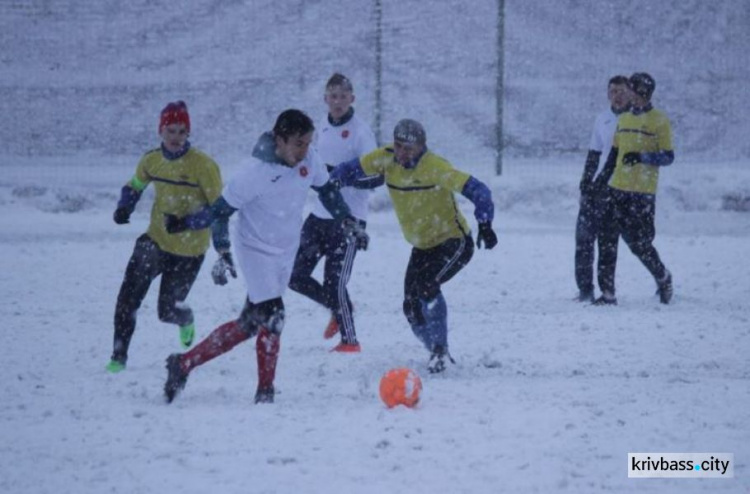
(648, 132)
(183, 186)
(422, 196)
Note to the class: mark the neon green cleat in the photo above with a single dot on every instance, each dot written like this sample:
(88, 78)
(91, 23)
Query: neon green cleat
(187, 333)
(113, 367)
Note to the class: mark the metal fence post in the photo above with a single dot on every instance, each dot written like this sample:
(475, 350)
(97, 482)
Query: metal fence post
(500, 86)
(378, 67)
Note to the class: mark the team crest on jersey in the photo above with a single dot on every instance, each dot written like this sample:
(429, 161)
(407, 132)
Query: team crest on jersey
(303, 171)
(344, 134)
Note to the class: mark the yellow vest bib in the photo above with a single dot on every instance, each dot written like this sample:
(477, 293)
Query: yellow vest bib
(648, 132)
(182, 186)
(422, 196)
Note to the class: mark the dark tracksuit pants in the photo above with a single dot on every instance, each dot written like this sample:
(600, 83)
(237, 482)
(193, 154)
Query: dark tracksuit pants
(325, 238)
(178, 273)
(630, 215)
(588, 225)
(430, 268)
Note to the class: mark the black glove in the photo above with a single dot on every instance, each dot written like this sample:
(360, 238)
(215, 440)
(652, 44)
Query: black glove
(122, 216)
(354, 232)
(173, 224)
(486, 236)
(223, 265)
(630, 159)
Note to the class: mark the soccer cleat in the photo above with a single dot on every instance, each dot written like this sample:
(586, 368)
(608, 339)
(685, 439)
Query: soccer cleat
(264, 395)
(115, 366)
(347, 348)
(439, 355)
(436, 364)
(665, 290)
(584, 296)
(332, 329)
(605, 299)
(187, 333)
(176, 378)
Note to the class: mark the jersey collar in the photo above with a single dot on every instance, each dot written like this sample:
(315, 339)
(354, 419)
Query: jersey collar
(344, 119)
(642, 109)
(413, 163)
(265, 149)
(175, 156)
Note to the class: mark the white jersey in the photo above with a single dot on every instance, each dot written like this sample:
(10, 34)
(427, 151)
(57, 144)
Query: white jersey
(605, 126)
(270, 198)
(337, 144)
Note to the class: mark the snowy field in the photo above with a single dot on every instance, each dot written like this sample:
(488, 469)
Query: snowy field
(547, 395)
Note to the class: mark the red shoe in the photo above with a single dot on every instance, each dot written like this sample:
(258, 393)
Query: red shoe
(332, 329)
(347, 348)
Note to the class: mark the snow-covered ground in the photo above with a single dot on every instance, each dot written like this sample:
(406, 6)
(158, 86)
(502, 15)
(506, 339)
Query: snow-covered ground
(547, 395)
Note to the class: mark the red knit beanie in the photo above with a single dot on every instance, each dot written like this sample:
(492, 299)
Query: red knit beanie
(175, 112)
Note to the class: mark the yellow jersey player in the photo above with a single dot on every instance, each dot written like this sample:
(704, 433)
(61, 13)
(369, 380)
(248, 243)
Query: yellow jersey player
(422, 187)
(642, 145)
(186, 181)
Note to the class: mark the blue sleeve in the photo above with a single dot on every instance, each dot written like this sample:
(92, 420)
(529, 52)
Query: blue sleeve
(371, 182)
(332, 200)
(220, 212)
(347, 173)
(661, 158)
(480, 195)
(128, 198)
(364, 183)
(200, 219)
(205, 216)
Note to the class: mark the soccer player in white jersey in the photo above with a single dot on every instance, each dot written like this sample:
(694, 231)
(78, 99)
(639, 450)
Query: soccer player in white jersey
(341, 137)
(591, 203)
(270, 193)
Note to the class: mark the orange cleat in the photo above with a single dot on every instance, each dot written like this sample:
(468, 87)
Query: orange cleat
(347, 348)
(332, 329)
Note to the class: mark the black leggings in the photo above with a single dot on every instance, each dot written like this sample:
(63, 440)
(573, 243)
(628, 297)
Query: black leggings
(148, 261)
(430, 268)
(631, 215)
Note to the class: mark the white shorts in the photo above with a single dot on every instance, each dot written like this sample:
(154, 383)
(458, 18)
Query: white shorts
(266, 275)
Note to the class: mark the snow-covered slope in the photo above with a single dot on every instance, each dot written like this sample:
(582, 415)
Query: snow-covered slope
(92, 77)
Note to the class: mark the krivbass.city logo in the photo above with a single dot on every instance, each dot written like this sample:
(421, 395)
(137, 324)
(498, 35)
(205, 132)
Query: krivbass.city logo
(686, 465)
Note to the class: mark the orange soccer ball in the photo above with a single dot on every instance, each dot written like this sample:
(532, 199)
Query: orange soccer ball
(400, 386)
